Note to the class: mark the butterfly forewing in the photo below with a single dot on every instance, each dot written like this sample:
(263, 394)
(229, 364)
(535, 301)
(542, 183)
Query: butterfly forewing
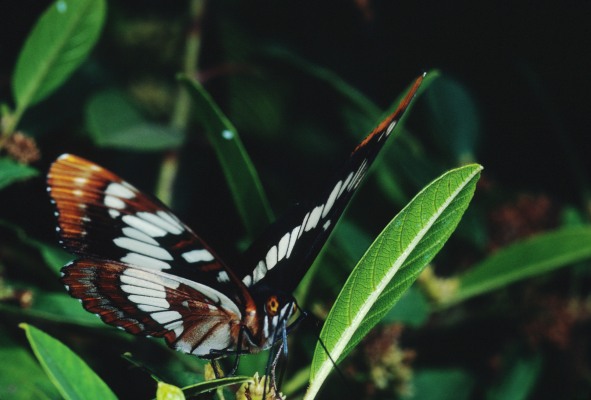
(102, 216)
(283, 254)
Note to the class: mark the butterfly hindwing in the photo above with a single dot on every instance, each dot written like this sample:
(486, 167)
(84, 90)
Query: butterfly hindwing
(292, 243)
(192, 318)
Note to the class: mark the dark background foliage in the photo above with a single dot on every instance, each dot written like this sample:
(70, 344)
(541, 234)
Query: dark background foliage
(522, 67)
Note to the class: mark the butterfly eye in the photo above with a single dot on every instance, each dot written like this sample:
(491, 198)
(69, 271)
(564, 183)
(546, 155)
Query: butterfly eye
(272, 306)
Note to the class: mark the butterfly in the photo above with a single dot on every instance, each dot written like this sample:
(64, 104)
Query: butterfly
(141, 269)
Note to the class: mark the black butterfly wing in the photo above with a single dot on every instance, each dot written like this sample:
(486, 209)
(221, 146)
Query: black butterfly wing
(282, 255)
(121, 234)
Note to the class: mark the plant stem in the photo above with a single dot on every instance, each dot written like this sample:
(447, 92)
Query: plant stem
(180, 116)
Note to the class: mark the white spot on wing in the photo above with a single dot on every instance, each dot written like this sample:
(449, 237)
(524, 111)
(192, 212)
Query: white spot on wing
(326, 225)
(271, 257)
(331, 198)
(195, 256)
(292, 239)
(80, 181)
(141, 225)
(147, 308)
(144, 261)
(259, 272)
(135, 234)
(130, 289)
(390, 127)
(247, 280)
(304, 224)
(282, 247)
(223, 277)
(160, 222)
(150, 301)
(171, 219)
(314, 218)
(131, 280)
(345, 184)
(114, 213)
(165, 317)
(178, 331)
(142, 248)
(148, 276)
(118, 190)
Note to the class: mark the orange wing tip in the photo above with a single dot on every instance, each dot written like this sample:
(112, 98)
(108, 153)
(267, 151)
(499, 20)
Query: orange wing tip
(390, 122)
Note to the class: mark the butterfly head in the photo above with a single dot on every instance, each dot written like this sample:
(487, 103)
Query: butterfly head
(275, 310)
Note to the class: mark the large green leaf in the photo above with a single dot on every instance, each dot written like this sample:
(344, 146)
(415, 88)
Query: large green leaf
(60, 41)
(69, 373)
(114, 122)
(11, 171)
(534, 256)
(391, 265)
(20, 375)
(240, 173)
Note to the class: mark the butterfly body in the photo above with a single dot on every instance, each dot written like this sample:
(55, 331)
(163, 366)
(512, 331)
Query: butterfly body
(142, 270)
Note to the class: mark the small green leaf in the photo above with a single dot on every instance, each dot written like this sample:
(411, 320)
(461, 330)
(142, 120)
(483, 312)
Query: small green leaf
(114, 122)
(71, 376)
(534, 256)
(60, 41)
(11, 171)
(518, 380)
(208, 386)
(241, 175)
(169, 392)
(454, 118)
(391, 265)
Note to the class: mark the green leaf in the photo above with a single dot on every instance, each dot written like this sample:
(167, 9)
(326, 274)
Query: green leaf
(412, 309)
(21, 377)
(454, 118)
(60, 41)
(348, 92)
(11, 171)
(57, 307)
(114, 122)
(391, 265)
(71, 376)
(54, 257)
(169, 392)
(240, 173)
(208, 386)
(442, 384)
(518, 380)
(534, 256)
